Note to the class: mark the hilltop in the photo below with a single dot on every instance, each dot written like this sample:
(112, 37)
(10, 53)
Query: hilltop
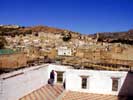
(110, 37)
(115, 37)
(9, 30)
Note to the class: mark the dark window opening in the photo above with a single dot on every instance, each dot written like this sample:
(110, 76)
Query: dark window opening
(36, 34)
(115, 82)
(59, 76)
(84, 82)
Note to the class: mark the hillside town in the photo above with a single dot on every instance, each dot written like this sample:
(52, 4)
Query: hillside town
(50, 45)
(100, 64)
(66, 50)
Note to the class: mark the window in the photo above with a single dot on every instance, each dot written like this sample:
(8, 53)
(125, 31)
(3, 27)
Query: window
(59, 76)
(84, 82)
(64, 53)
(115, 83)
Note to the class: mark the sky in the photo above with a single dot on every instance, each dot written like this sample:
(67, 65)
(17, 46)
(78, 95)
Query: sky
(83, 16)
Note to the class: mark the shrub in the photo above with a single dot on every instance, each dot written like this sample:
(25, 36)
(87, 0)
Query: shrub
(66, 37)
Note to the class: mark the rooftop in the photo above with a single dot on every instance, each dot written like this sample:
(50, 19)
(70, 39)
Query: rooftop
(31, 84)
(55, 92)
(7, 51)
(46, 92)
(71, 95)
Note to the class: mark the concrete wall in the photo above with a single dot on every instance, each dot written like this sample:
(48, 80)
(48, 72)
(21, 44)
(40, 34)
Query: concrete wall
(18, 84)
(99, 81)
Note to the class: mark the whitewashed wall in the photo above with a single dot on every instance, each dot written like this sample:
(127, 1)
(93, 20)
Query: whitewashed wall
(19, 83)
(98, 81)
(64, 51)
(58, 68)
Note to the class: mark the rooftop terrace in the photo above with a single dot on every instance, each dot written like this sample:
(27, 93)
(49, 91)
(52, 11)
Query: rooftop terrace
(31, 84)
(57, 92)
(46, 92)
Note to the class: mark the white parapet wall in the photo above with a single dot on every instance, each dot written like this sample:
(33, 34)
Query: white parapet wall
(19, 83)
(60, 68)
(100, 81)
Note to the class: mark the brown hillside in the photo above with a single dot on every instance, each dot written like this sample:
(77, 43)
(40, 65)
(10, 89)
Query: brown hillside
(115, 37)
(45, 29)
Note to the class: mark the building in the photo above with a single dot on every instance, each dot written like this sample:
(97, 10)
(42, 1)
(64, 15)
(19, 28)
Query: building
(10, 26)
(32, 83)
(64, 51)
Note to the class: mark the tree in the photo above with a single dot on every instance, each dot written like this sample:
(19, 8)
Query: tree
(67, 37)
(3, 42)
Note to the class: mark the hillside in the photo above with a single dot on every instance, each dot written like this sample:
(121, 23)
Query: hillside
(110, 37)
(28, 30)
(45, 29)
(106, 51)
(115, 37)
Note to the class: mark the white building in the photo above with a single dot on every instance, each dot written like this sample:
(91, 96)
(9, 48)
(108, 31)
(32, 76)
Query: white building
(92, 81)
(10, 26)
(99, 82)
(64, 51)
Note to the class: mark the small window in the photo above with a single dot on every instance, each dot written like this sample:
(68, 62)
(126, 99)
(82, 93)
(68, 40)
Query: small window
(59, 76)
(36, 34)
(84, 82)
(115, 83)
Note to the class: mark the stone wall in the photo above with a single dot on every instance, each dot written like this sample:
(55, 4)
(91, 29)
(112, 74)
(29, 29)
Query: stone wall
(11, 61)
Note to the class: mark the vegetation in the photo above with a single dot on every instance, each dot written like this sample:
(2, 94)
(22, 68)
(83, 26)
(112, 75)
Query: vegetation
(115, 37)
(14, 31)
(3, 42)
(67, 37)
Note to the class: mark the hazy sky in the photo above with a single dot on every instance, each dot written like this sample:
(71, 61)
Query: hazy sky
(84, 16)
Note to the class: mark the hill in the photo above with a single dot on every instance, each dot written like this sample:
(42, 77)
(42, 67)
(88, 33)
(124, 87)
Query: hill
(28, 30)
(109, 50)
(115, 37)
